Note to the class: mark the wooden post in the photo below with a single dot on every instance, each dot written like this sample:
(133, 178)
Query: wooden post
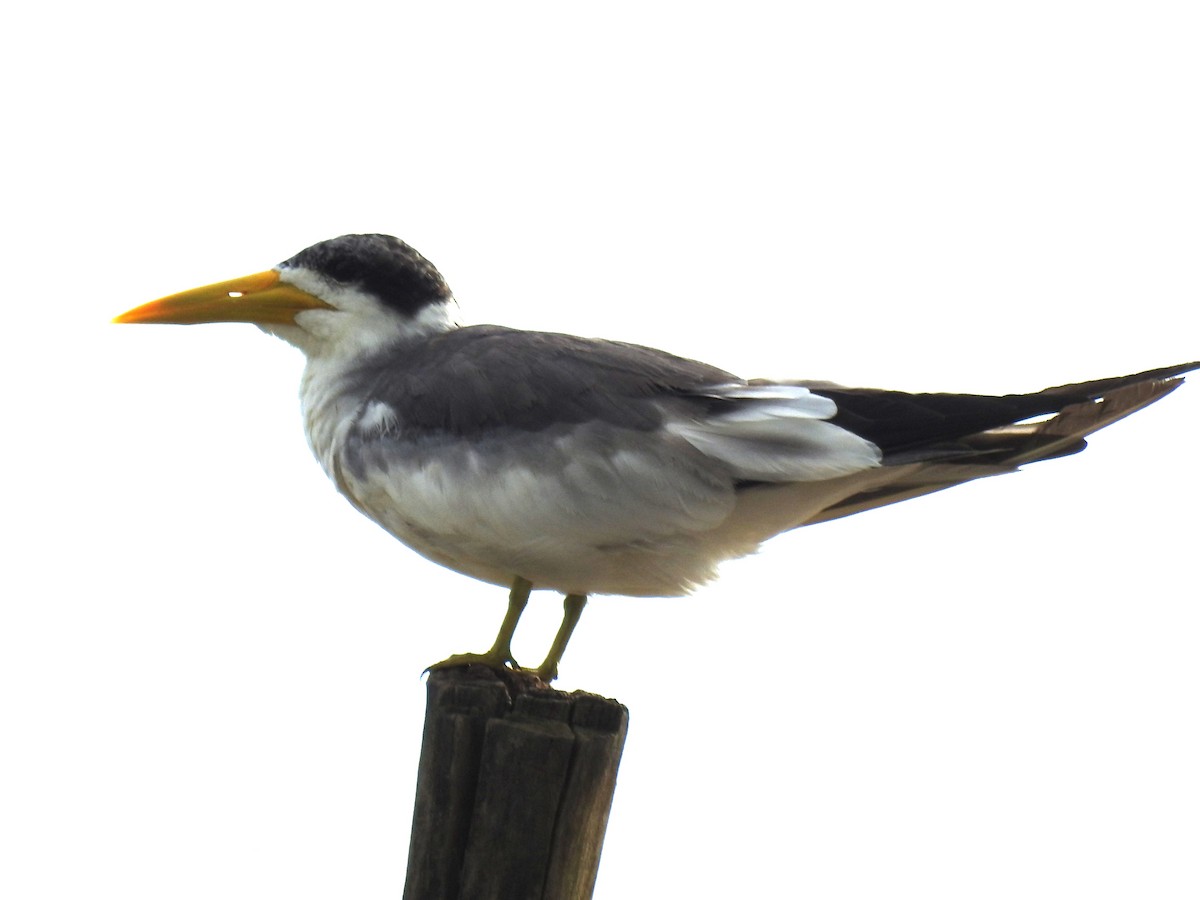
(514, 788)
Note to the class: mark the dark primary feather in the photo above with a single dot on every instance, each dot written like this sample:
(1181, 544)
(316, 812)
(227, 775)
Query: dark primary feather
(1081, 410)
(897, 422)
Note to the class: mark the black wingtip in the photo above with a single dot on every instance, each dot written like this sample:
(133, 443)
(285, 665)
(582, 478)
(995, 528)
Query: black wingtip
(899, 422)
(1092, 390)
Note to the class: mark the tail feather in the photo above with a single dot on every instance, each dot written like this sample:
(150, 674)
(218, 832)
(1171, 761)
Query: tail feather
(1089, 406)
(1095, 389)
(909, 427)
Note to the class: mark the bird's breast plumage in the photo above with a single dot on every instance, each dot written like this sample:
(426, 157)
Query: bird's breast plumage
(580, 509)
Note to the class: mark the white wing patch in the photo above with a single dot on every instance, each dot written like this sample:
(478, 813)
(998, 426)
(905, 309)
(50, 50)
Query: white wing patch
(797, 399)
(378, 418)
(777, 432)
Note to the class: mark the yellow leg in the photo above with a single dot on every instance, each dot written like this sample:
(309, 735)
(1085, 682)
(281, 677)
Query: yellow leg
(500, 656)
(573, 606)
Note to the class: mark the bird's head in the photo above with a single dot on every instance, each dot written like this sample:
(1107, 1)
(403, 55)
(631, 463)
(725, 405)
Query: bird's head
(350, 294)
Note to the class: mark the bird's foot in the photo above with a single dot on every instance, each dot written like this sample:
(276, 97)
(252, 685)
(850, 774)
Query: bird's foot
(498, 662)
(503, 665)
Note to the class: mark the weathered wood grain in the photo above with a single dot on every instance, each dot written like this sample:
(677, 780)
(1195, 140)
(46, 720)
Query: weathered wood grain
(514, 788)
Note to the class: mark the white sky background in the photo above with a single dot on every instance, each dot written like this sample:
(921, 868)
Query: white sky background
(210, 664)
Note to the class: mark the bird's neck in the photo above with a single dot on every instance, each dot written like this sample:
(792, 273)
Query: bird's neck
(331, 388)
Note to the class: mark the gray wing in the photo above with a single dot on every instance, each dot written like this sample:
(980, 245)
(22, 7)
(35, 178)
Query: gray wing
(492, 438)
(486, 382)
(473, 381)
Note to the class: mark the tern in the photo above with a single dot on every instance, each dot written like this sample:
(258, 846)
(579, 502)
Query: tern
(585, 466)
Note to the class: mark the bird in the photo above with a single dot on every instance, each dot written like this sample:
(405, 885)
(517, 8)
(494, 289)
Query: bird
(536, 460)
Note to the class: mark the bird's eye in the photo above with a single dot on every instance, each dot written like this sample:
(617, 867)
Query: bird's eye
(233, 295)
(342, 272)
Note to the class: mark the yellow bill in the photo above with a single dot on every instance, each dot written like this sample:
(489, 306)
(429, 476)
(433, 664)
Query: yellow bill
(261, 298)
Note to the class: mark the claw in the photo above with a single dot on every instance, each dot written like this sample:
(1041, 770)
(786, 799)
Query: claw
(495, 661)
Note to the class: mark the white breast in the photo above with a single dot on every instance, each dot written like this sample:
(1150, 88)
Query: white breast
(329, 412)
